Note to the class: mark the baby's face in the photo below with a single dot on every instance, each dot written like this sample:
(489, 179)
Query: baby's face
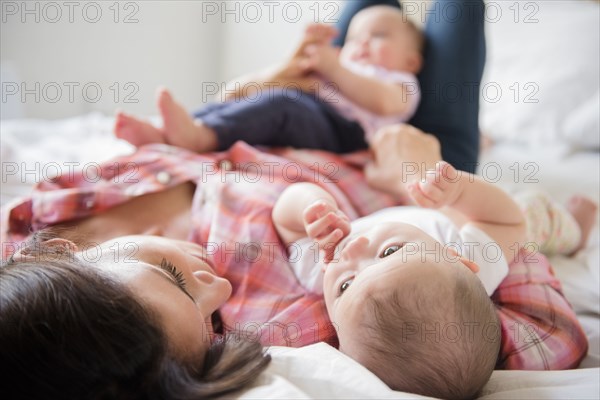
(382, 38)
(380, 259)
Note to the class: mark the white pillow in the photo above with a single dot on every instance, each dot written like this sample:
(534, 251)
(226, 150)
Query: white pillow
(542, 77)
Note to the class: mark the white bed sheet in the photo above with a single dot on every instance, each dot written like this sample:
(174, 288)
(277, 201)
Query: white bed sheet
(320, 371)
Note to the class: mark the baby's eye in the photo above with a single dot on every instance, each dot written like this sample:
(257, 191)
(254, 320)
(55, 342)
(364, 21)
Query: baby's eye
(390, 250)
(345, 285)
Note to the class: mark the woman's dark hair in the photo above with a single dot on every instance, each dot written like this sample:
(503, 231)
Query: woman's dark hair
(69, 331)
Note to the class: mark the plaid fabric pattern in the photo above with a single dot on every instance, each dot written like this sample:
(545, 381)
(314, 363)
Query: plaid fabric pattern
(231, 217)
(540, 330)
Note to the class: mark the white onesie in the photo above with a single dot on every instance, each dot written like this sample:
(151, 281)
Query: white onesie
(369, 121)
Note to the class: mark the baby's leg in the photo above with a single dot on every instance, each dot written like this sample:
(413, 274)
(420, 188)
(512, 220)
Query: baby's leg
(284, 117)
(554, 228)
(180, 129)
(584, 211)
(136, 131)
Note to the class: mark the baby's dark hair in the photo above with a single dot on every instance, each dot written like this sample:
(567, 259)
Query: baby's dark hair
(70, 331)
(421, 342)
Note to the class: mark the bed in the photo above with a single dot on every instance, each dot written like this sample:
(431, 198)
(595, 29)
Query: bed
(320, 371)
(550, 145)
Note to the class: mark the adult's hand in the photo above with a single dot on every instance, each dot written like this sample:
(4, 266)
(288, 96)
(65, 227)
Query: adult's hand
(300, 70)
(401, 154)
(293, 73)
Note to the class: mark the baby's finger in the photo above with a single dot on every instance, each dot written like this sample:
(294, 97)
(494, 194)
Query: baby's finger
(316, 230)
(343, 223)
(431, 189)
(343, 215)
(328, 243)
(440, 172)
(419, 197)
(447, 172)
(328, 254)
(315, 211)
(433, 175)
(321, 226)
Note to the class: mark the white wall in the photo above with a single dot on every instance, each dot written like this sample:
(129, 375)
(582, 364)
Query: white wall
(50, 51)
(255, 44)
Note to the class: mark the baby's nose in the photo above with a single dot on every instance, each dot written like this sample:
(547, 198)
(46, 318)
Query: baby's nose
(361, 44)
(355, 248)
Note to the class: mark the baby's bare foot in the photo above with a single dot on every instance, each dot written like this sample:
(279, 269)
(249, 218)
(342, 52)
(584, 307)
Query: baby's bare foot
(584, 211)
(180, 129)
(136, 131)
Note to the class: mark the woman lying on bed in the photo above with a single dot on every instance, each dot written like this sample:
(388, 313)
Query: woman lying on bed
(116, 314)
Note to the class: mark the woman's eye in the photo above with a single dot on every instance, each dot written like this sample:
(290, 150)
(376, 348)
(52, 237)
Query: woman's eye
(390, 250)
(176, 274)
(345, 285)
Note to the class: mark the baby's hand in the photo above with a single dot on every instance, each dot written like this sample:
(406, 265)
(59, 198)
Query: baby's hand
(440, 187)
(327, 225)
(322, 58)
(319, 34)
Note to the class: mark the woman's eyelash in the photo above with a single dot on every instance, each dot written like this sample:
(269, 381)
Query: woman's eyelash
(174, 272)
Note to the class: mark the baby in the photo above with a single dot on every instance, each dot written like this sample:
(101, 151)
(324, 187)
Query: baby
(408, 288)
(409, 292)
(374, 83)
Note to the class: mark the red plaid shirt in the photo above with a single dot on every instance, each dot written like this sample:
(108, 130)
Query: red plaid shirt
(231, 216)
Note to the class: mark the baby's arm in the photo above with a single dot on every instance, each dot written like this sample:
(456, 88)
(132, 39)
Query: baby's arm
(382, 98)
(307, 210)
(482, 204)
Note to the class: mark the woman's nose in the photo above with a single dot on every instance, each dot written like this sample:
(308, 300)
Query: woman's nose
(204, 277)
(355, 248)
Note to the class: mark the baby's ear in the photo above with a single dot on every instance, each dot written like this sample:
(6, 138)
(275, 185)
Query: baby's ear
(415, 63)
(470, 264)
(60, 244)
(467, 263)
(56, 245)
